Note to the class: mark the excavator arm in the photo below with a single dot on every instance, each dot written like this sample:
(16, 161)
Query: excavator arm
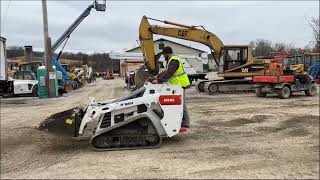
(180, 31)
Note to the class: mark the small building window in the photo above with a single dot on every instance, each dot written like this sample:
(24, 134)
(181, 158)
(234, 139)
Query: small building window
(161, 46)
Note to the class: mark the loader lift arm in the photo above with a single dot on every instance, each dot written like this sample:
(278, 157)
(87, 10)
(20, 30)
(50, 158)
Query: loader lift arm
(191, 33)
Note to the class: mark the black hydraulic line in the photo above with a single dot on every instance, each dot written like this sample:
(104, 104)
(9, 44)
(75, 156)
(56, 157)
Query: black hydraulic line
(62, 48)
(176, 24)
(155, 19)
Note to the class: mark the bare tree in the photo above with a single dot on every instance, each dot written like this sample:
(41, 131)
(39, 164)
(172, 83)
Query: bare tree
(314, 23)
(15, 51)
(279, 47)
(291, 49)
(261, 47)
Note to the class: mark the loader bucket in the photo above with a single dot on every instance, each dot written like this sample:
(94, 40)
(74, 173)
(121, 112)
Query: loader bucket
(56, 123)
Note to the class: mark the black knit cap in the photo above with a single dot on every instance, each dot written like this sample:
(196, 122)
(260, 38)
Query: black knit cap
(167, 50)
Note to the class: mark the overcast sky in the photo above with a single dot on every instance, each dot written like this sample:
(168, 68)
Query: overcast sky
(116, 29)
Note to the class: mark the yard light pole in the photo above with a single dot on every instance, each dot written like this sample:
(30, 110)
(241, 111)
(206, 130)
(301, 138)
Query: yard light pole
(47, 55)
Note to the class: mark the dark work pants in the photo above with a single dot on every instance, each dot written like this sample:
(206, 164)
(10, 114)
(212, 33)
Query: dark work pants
(185, 118)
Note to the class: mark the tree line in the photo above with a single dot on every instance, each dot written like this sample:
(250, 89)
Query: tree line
(264, 48)
(98, 61)
(261, 47)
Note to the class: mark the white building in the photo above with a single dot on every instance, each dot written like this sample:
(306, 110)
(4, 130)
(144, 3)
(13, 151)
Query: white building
(181, 49)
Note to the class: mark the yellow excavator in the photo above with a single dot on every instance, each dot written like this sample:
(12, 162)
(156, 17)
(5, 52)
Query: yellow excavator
(235, 62)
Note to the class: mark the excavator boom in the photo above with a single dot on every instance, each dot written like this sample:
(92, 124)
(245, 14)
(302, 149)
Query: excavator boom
(180, 31)
(235, 62)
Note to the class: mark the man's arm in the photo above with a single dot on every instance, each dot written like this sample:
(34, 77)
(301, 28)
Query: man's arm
(172, 68)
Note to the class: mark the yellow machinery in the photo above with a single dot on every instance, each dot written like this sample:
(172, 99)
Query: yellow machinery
(109, 74)
(235, 62)
(298, 68)
(304, 61)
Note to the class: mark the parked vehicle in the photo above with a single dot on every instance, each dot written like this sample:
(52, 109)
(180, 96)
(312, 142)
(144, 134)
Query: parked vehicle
(284, 85)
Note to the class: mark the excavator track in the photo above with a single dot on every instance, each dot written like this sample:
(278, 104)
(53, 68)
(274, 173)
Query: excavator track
(219, 86)
(200, 85)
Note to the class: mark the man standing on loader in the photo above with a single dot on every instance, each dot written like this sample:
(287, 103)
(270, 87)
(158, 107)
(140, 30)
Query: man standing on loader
(175, 75)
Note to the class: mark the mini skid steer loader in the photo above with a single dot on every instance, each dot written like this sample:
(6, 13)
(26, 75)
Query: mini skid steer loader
(139, 120)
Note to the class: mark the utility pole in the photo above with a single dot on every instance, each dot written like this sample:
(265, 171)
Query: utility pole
(47, 56)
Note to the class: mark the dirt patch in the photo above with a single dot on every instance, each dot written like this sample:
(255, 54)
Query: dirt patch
(47, 149)
(15, 102)
(45, 154)
(243, 121)
(269, 129)
(301, 121)
(298, 132)
(296, 125)
(208, 154)
(236, 122)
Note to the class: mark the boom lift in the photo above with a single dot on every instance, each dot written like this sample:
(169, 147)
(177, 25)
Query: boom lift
(235, 62)
(98, 6)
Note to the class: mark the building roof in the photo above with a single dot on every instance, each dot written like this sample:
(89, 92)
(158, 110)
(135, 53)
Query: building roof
(162, 39)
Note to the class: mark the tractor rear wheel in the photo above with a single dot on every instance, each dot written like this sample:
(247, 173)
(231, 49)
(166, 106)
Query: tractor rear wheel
(312, 91)
(284, 93)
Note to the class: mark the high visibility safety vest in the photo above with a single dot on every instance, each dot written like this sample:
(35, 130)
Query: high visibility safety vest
(179, 77)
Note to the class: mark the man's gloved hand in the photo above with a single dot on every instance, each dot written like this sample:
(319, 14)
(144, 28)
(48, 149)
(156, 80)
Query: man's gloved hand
(155, 82)
(150, 79)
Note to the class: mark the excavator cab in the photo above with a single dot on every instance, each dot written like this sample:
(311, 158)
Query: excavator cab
(100, 5)
(235, 56)
(237, 62)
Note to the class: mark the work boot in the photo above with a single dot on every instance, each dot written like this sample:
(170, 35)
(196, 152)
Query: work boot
(185, 123)
(183, 130)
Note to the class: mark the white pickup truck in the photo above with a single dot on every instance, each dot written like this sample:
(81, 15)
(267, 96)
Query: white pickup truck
(25, 83)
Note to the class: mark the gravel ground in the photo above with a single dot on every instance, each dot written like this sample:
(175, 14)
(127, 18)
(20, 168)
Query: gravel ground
(232, 136)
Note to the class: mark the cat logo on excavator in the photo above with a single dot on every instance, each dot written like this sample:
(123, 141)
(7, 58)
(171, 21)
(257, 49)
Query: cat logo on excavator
(244, 69)
(182, 33)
